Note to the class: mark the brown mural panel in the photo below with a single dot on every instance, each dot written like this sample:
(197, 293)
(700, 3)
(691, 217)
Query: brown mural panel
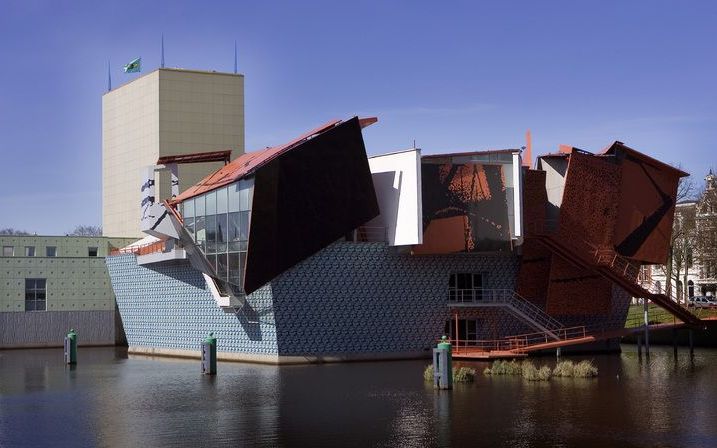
(646, 208)
(474, 192)
(590, 201)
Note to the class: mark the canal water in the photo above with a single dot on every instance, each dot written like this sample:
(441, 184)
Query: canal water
(112, 400)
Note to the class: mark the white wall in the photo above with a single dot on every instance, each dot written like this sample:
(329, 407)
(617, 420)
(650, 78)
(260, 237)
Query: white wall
(397, 181)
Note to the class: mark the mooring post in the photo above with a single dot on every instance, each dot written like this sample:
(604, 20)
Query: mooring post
(639, 346)
(674, 341)
(647, 328)
(557, 352)
(209, 355)
(442, 368)
(71, 347)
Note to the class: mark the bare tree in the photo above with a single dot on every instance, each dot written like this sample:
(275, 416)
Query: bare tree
(682, 238)
(87, 231)
(11, 231)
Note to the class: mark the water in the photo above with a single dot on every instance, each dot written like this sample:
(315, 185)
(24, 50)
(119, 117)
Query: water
(110, 400)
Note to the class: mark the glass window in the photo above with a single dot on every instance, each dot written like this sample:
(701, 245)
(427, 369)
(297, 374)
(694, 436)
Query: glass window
(242, 265)
(92, 251)
(211, 203)
(35, 294)
(199, 206)
(244, 226)
(211, 227)
(51, 251)
(233, 231)
(213, 261)
(244, 196)
(222, 199)
(464, 287)
(222, 266)
(29, 251)
(233, 197)
(222, 233)
(8, 251)
(201, 232)
(234, 268)
(188, 208)
(189, 225)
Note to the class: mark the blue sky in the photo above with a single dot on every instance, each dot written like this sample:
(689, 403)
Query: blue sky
(451, 75)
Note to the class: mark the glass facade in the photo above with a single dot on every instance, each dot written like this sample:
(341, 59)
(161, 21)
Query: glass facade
(219, 223)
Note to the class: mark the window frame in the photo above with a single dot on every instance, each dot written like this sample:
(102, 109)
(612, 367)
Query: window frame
(12, 251)
(34, 291)
(47, 251)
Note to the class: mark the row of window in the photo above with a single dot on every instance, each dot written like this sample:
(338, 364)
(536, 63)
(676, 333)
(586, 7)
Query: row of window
(50, 251)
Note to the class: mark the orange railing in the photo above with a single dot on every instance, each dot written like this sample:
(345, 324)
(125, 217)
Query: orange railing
(144, 249)
(518, 343)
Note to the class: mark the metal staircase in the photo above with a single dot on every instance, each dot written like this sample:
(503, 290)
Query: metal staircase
(613, 267)
(511, 301)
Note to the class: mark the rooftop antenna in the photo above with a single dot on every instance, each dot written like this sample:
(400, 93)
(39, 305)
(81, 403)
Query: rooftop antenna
(109, 76)
(414, 143)
(162, 61)
(235, 57)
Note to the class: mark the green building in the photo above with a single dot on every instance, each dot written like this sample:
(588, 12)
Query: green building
(49, 284)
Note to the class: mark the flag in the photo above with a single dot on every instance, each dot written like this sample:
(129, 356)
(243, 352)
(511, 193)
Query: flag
(134, 66)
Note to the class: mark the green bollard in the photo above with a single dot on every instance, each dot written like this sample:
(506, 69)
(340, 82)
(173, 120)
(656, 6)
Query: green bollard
(209, 355)
(71, 347)
(443, 365)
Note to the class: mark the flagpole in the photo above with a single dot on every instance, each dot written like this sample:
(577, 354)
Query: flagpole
(162, 63)
(235, 57)
(109, 76)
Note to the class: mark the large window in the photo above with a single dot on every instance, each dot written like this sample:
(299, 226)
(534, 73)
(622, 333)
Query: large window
(465, 287)
(219, 223)
(35, 294)
(8, 251)
(29, 251)
(92, 251)
(51, 251)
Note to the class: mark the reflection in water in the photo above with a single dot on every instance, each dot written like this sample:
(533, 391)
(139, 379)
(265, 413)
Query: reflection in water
(116, 401)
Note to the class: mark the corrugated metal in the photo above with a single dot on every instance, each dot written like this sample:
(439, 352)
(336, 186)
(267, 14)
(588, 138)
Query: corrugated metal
(48, 328)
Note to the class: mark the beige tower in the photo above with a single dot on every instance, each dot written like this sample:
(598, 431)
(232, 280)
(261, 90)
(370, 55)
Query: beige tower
(164, 112)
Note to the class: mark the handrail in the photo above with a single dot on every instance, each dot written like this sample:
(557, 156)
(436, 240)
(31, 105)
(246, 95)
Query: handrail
(507, 297)
(608, 258)
(143, 249)
(517, 344)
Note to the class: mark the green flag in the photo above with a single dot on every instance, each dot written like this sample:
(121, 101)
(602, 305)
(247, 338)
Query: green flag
(134, 66)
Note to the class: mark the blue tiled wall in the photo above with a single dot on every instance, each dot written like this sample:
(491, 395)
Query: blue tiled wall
(169, 306)
(357, 298)
(350, 298)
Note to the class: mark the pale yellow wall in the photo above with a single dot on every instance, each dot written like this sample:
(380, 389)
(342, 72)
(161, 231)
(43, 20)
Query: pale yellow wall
(130, 140)
(166, 112)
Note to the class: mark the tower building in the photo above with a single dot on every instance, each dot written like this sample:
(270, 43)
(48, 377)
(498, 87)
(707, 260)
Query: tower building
(165, 112)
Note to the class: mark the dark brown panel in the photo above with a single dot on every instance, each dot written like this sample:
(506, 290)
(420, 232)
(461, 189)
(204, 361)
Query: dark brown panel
(307, 198)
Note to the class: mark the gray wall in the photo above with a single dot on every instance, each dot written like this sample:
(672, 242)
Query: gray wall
(48, 328)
